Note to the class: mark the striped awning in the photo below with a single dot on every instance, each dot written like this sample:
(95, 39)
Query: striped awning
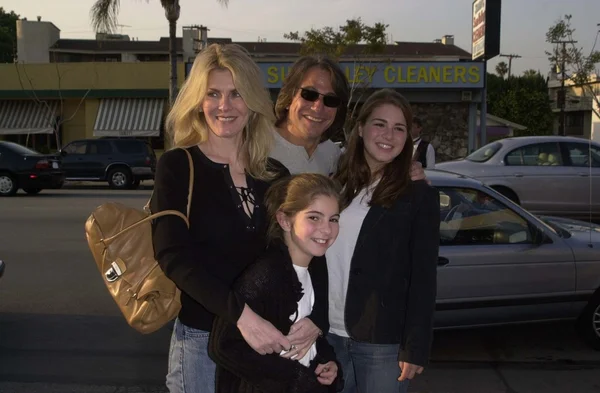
(27, 117)
(129, 117)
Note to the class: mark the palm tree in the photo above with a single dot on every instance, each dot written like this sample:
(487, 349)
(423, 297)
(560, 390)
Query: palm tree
(104, 15)
(502, 69)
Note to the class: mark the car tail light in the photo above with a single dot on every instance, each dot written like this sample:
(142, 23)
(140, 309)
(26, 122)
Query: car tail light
(42, 164)
(148, 161)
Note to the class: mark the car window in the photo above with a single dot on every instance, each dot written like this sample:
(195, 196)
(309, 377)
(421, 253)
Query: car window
(538, 154)
(75, 148)
(131, 147)
(583, 154)
(473, 217)
(484, 153)
(99, 147)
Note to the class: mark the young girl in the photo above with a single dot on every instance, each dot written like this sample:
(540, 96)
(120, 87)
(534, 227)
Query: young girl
(282, 287)
(382, 268)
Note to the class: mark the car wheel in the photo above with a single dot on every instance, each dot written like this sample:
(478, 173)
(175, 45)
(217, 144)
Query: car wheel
(120, 178)
(507, 192)
(589, 322)
(8, 185)
(32, 191)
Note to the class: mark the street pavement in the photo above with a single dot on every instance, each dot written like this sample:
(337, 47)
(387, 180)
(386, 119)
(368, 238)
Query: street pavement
(61, 332)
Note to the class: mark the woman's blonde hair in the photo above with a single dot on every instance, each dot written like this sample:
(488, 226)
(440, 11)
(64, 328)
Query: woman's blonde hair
(187, 124)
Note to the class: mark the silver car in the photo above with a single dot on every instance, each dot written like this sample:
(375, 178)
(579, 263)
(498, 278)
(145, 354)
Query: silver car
(500, 264)
(544, 174)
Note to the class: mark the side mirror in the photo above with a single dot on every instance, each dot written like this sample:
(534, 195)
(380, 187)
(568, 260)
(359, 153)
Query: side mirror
(62, 152)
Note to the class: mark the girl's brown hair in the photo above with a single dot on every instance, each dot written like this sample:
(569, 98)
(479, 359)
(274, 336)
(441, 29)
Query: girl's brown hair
(354, 173)
(293, 194)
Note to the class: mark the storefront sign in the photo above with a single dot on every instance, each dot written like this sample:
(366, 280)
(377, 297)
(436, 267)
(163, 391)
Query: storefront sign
(395, 74)
(486, 29)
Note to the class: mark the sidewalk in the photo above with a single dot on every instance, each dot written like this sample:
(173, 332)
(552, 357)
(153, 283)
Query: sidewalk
(88, 185)
(439, 378)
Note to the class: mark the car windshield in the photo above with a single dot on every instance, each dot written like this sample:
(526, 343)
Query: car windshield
(20, 149)
(485, 153)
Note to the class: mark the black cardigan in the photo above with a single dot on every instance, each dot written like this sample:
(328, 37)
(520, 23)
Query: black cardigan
(271, 288)
(222, 241)
(392, 285)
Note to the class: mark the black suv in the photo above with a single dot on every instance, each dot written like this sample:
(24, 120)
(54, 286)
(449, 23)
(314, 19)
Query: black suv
(121, 162)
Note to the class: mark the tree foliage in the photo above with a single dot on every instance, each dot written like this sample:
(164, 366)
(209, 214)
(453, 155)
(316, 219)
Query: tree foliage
(523, 100)
(8, 36)
(335, 42)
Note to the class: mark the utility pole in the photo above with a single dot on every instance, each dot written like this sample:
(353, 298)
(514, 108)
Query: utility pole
(561, 97)
(510, 57)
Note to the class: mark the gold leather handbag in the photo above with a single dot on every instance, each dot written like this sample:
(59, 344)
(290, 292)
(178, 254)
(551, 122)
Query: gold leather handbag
(120, 238)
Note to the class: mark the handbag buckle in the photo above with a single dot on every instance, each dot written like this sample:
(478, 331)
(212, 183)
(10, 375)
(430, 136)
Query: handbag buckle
(113, 273)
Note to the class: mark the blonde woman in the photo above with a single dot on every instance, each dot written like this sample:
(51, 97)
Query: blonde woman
(224, 118)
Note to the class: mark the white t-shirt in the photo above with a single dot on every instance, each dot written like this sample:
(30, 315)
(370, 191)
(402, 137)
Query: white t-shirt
(305, 306)
(339, 256)
(295, 158)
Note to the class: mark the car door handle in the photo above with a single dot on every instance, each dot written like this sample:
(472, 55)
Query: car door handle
(583, 174)
(443, 261)
(518, 174)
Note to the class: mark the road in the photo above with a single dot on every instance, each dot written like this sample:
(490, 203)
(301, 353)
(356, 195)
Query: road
(61, 332)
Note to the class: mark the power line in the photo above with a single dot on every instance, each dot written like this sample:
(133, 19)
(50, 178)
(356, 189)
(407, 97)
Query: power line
(510, 57)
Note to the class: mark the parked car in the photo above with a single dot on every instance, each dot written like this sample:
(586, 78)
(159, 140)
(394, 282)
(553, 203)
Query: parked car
(22, 167)
(500, 264)
(122, 162)
(552, 175)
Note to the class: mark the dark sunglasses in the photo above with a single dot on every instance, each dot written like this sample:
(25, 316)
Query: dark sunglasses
(328, 101)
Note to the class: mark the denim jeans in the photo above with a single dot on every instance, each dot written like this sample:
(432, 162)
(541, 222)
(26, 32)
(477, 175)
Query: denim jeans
(190, 368)
(368, 368)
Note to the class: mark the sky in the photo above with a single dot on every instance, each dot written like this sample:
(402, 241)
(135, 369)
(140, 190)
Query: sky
(523, 30)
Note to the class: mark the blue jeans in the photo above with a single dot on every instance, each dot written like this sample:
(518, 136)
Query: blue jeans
(190, 368)
(368, 368)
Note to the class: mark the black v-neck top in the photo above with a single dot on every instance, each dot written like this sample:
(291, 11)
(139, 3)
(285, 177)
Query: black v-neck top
(222, 241)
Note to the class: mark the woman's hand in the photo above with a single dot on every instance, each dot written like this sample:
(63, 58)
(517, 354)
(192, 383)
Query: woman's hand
(408, 371)
(326, 373)
(302, 336)
(416, 171)
(260, 334)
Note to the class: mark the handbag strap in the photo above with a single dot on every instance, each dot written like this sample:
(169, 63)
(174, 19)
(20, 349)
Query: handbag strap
(190, 187)
(190, 184)
(185, 218)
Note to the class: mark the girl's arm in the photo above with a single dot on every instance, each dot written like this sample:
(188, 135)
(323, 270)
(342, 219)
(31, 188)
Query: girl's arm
(272, 373)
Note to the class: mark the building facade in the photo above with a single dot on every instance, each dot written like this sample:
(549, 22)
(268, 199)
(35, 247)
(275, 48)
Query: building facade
(60, 90)
(581, 119)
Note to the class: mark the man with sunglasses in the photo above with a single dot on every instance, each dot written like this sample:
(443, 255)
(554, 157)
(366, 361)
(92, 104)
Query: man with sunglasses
(310, 108)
